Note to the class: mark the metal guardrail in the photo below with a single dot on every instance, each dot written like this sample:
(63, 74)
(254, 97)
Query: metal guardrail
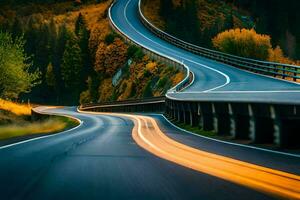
(278, 70)
(152, 100)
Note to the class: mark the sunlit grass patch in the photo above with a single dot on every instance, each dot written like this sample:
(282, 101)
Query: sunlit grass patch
(15, 108)
(52, 125)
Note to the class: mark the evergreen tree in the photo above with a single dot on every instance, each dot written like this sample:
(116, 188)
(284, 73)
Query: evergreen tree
(79, 24)
(50, 77)
(16, 30)
(42, 53)
(71, 68)
(83, 35)
(57, 57)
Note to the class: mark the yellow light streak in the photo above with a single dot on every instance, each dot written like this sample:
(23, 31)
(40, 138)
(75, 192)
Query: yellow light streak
(148, 135)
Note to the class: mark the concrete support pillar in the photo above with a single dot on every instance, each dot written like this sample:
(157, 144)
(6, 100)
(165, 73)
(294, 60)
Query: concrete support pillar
(207, 117)
(263, 125)
(232, 121)
(215, 118)
(222, 118)
(286, 126)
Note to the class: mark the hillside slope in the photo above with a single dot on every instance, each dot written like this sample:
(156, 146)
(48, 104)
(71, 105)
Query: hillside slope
(79, 56)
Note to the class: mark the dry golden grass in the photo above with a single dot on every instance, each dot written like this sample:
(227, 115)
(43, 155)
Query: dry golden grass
(15, 108)
(49, 126)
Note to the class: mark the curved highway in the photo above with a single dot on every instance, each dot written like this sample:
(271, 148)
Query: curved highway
(217, 79)
(117, 156)
(101, 160)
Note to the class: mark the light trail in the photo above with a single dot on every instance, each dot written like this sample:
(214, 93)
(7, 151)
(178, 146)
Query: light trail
(148, 135)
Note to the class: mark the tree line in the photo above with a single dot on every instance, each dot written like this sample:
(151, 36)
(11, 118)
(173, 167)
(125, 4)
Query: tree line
(61, 56)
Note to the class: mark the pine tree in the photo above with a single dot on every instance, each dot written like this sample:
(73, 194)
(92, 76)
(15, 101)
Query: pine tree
(50, 77)
(71, 68)
(83, 35)
(16, 29)
(57, 57)
(79, 24)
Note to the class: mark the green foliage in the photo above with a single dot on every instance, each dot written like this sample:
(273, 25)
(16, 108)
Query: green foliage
(14, 77)
(110, 38)
(147, 73)
(147, 93)
(132, 49)
(72, 64)
(83, 35)
(135, 52)
(162, 82)
(50, 77)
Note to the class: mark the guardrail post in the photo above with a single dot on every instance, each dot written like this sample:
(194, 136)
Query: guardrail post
(241, 116)
(287, 120)
(207, 116)
(200, 116)
(232, 128)
(193, 114)
(264, 125)
(222, 118)
(278, 140)
(251, 123)
(215, 118)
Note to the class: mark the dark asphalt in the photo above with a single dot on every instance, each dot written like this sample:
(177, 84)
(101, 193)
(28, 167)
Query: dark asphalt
(100, 160)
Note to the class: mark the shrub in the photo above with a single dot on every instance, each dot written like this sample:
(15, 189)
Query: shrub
(131, 51)
(110, 38)
(243, 42)
(148, 91)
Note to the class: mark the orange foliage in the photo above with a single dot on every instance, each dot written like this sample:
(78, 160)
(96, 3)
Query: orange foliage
(110, 58)
(92, 14)
(97, 35)
(177, 78)
(243, 42)
(105, 90)
(277, 55)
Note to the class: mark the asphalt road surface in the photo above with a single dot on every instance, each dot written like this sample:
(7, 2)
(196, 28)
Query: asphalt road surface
(100, 160)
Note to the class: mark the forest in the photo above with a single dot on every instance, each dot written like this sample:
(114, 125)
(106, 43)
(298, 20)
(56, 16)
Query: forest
(72, 55)
(198, 21)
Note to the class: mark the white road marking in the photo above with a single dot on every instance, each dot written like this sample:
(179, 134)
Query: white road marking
(245, 91)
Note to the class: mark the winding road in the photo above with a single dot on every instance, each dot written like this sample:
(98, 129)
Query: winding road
(121, 156)
(101, 160)
(213, 80)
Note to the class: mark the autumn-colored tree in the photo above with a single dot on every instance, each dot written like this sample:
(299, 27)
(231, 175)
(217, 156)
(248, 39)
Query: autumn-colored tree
(277, 55)
(110, 58)
(243, 42)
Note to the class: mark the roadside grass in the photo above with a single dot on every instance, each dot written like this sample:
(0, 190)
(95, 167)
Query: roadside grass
(15, 108)
(15, 121)
(52, 125)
